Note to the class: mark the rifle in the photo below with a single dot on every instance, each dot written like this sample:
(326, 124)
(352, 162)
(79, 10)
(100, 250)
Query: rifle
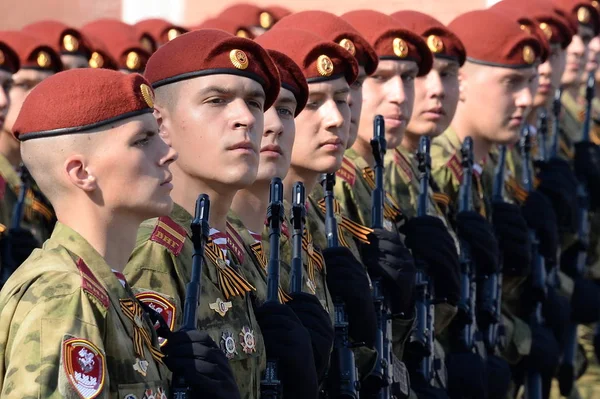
(533, 387)
(556, 106)
(270, 385)
(8, 263)
(466, 307)
(567, 368)
(298, 219)
(542, 134)
(421, 340)
(344, 379)
(490, 296)
(200, 233)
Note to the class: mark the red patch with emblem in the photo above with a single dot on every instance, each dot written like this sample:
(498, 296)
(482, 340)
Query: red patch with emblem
(347, 172)
(91, 285)
(404, 164)
(235, 243)
(162, 306)
(169, 234)
(85, 366)
(455, 167)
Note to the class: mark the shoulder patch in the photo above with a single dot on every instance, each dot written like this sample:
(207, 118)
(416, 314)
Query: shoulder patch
(169, 234)
(455, 167)
(91, 285)
(403, 164)
(235, 243)
(84, 365)
(347, 172)
(165, 308)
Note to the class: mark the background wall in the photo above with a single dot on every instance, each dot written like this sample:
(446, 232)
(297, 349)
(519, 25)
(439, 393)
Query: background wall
(16, 13)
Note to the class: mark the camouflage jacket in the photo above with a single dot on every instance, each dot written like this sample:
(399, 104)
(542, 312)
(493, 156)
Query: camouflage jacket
(72, 330)
(571, 124)
(159, 269)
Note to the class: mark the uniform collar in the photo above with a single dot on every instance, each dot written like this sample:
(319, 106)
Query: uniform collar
(182, 217)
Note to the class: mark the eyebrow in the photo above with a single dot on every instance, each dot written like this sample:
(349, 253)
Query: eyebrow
(229, 92)
(345, 90)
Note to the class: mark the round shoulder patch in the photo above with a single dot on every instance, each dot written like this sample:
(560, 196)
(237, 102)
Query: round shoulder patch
(84, 365)
(161, 305)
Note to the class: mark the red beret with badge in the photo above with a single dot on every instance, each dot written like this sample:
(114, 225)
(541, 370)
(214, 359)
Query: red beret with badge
(9, 60)
(585, 12)
(158, 30)
(101, 57)
(506, 45)
(320, 60)
(33, 52)
(248, 15)
(120, 41)
(331, 27)
(229, 26)
(442, 42)
(211, 52)
(67, 40)
(82, 100)
(390, 39)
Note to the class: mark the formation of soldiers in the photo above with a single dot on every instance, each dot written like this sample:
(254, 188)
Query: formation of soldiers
(303, 205)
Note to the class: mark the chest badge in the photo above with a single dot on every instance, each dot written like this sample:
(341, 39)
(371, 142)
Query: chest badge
(247, 340)
(220, 307)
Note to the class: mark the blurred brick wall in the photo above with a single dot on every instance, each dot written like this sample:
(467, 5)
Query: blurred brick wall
(16, 13)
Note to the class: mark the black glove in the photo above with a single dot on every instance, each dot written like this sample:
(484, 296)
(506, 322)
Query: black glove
(559, 184)
(430, 242)
(556, 311)
(466, 376)
(587, 169)
(498, 377)
(424, 390)
(540, 217)
(194, 356)
(545, 353)
(348, 281)
(513, 238)
(318, 323)
(479, 235)
(388, 259)
(22, 243)
(585, 301)
(288, 342)
(569, 258)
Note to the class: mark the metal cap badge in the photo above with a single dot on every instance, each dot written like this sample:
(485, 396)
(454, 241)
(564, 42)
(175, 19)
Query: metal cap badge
(70, 43)
(400, 48)
(324, 65)
(348, 45)
(238, 58)
(435, 44)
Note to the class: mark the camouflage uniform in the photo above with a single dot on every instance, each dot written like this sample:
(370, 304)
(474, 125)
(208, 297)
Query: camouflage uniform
(571, 124)
(72, 330)
(159, 269)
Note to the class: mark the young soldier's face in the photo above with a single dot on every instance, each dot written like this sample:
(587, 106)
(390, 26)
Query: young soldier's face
(132, 169)
(322, 128)
(278, 138)
(592, 57)
(216, 126)
(436, 98)
(576, 59)
(496, 99)
(355, 100)
(390, 92)
(5, 85)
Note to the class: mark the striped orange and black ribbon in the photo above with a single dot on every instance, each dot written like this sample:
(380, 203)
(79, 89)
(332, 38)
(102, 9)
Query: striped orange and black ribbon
(356, 230)
(134, 312)
(391, 209)
(518, 192)
(315, 258)
(259, 252)
(231, 282)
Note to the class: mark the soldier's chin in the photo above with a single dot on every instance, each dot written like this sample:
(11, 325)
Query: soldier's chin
(332, 164)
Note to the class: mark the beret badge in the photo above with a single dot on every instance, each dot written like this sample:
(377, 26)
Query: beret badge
(265, 20)
(43, 59)
(528, 55)
(583, 15)
(70, 43)
(348, 45)
(147, 44)
(596, 5)
(324, 65)
(147, 94)
(96, 60)
(400, 48)
(435, 44)
(133, 60)
(2, 58)
(173, 33)
(242, 33)
(238, 58)
(546, 29)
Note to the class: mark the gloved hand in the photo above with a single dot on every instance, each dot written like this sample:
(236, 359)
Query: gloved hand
(545, 352)
(347, 280)
(540, 217)
(466, 376)
(569, 258)
(424, 390)
(388, 259)
(559, 184)
(288, 342)
(585, 301)
(556, 311)
(479, 235)
(513, 238)
(197, 358)
(498, 377)
(318, 323)
(22, 243)
(429, 240)
(587, 169)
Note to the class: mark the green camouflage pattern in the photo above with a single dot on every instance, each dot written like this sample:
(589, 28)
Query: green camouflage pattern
(154, 268)
(48, 300)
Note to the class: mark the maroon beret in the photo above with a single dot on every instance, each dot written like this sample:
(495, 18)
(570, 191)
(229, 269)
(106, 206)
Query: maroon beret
(319, 60)
(390, 39)
(33, 52)
(210, 52)
(278, 12)
(66, 40)
(585, 12)
(159, 30)
(9, 60)
(331, 27)
(292, 78)
(506, 45)
(229, 26)
(441, 41)
(78, 100)
(248, 15)
(101, 57)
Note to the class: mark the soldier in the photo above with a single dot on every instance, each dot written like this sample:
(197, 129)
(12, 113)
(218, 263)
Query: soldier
(69, 306)
(38, 61)
(72, 46)
(212, 91)
(154, 32)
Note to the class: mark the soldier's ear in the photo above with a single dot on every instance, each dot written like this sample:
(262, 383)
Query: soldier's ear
(79, 174)
(462, 84)
(161, 115)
